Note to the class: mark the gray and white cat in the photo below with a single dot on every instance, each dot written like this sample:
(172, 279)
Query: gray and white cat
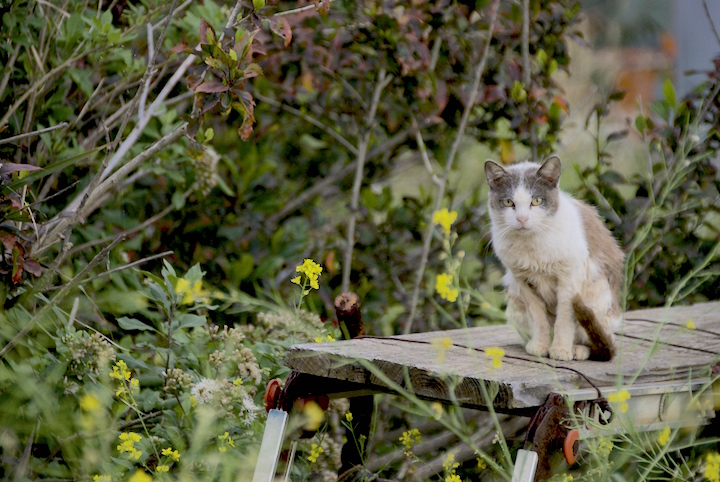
(564, 268)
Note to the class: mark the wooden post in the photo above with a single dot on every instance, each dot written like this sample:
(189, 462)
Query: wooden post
(347, 308)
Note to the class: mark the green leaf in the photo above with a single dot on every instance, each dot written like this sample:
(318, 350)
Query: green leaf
(58, 166)
(258, 4)
(132, 324)
(669, 93)
(209, 134)
(640, 123)
(178, 200)
(74, 26)
(189, 320)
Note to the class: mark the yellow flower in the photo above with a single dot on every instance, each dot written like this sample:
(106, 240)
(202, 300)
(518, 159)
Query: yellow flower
(237, 382)
(443, 286)
(604, 447)
(319, 339)
(437, 408)
(188, 293)
(89, 403)
(314, 416)
(410, 438)
(495, 353)
(484, 305)
(296, 280)
(193, 401)
(102, 478)
(567, 478)
(120, 371)
(449, 464)
(712, 467)
(173, 454)
(664, 436)
(315, 451)
(481, 464)
(621, 397)
(140, 476)
(690, 325)
(225, 442)
(441, 345)
(349, 417)
(453, 478)
(312, 272)
(445, 219)
(128, 445)
(162, 468)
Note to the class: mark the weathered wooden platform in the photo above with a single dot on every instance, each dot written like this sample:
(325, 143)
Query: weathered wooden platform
(656, 352)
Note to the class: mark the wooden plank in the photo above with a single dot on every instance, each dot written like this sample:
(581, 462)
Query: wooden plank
(651, 350)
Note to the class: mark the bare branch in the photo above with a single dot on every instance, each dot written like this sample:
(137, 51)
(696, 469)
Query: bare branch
(33, 133)
(382, 82)
(298, 10)
(9, 69)
(309, 119)
(448, 165)
(712, 24)
(424, 154)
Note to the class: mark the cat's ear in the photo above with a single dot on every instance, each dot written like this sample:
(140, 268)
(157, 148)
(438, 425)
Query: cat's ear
(550, 170)
(494, 173)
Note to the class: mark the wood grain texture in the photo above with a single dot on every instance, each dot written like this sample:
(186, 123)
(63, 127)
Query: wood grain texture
(654, 346)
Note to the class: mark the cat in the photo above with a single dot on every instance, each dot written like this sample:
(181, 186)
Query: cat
(563, 267)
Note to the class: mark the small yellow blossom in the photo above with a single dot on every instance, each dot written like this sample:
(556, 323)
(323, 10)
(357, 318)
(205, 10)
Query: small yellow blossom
(690, 325)
(445, 219)
(173, 454)
(349, 417)
(443, 286)
(495, 353)
(664, 436)
(604, 447)
(319, 339)
(437, 408)
(225, 442)
(449, 464)
(484, 305)
(89, 403)
(312, 272)
(193, 401)
(481, 464)
(712, 467)
(102, 478)
(314, 416)
(315, 451)
(238, 382)
(120, 371)
(567, 478)
(296, 280)
(410, 438)
(441, 345)
(188, 292)
(453, 478)
(621, 397)
(140, 476)
(162, 468)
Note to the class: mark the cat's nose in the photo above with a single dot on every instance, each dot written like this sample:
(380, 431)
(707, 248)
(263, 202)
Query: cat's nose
(522, 218)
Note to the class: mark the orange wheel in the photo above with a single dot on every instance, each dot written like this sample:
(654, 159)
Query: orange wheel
(272, 393)
(571, 446)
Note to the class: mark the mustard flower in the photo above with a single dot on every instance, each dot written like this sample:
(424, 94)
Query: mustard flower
(315, 451)
(120, 371)
(621, 397)
(441, 345)
(349, 417)
(481, 463)
(187, 291)
(495, 353)
(89, 403)
(314, 415)
(449, 464)
(445, 219)
(437, 408)
(690, 325)
(162, 468)
(712, 467)
(453, 478)
(319, 339)
(604, 447)
(173, 454)
(312, 272)
(443, 286)
(102, 478)
(410, 438)
(140, 476)
(567, 478)
(664, 437)
(225, 442)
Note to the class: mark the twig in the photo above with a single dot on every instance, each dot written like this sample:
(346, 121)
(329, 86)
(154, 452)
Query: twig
(297, 10)
(40, 83)
(448, 166)
(146, 84)
(120, 268)
(33, 133)
(9, 69)
(85, 107)
(310, 119)
(139, 227)
(48, 4)
(59, 297)
(527, 78)
(382, 82)
(692, 273)
(423, 153)
(179, 8)
(712, 24)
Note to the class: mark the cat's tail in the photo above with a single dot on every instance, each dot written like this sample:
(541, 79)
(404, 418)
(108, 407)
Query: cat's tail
(602, 347)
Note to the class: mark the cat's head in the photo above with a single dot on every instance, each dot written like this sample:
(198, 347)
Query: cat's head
(523, 197)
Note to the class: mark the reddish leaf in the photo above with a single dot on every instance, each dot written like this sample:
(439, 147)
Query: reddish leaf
(33, 267)
(245, 130)
(212, 87)
(8, 240)
(181, 47)
(281, 27)
(192, 81)
(18, 263)
(9, 167)
(207, 33)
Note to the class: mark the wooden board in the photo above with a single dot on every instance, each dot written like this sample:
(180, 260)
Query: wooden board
(654, 347)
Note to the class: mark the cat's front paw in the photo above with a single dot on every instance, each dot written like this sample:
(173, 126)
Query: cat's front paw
(581, 352)
(537, 348)
(561, 353)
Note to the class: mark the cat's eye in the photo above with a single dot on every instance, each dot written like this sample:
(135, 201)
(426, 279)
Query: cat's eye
(508, 203)
(537, 201)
